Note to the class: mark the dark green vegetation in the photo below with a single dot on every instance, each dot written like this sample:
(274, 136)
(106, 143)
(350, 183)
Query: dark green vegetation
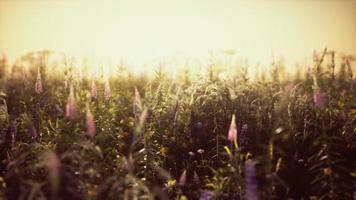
(295, 134)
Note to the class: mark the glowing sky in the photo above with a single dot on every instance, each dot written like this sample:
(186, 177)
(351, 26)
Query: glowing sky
(141, 31)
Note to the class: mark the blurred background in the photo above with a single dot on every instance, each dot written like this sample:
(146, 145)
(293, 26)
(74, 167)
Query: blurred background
(142, 32)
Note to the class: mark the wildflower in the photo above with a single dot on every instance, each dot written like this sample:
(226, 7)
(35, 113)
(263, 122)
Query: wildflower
(200, 151)
(232, 135)
(137, 106)
(70, 107)
(107, 90)
(191, 153)
(38, 84)
(183, 178)
(93, 91)
(250, 181)
(207, 195)
(319, 99)
(89, 124)
(243, 135)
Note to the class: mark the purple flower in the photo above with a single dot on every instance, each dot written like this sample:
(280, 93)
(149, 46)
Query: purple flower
(107, 90)
(207, 195)
(232, 135)
(250, 181)
(318, 97)
(89, 124)
(70, 107)
(38, 84)
(183, 178)
(93, 91)
(243, 135)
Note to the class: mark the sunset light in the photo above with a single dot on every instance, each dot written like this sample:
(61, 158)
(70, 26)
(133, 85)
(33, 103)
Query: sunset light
(177, 99)
(149, 32)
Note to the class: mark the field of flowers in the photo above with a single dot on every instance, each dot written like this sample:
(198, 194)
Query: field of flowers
(133, 136)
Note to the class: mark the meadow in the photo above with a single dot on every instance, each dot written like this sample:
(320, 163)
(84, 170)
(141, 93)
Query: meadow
(274, 135)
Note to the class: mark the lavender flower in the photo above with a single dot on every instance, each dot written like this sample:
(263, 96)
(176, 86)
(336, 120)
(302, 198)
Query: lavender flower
(319, 99)
(70, 107)
(232, 135)
(93, 91)
(250, 181)
(38, 84)
(107, 90)
(243, 136)
(207, 195)
(183, 178)
(89, 124)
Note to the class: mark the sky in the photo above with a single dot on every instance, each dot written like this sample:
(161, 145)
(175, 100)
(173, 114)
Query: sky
(142, 31)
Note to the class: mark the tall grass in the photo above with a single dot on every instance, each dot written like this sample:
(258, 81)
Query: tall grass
(166, 137)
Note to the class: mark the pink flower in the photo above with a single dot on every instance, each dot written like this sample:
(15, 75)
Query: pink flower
(107, 90)
(319, 99)
(89, 124)
(38, 84)
(70, 107)
(183, 178)
(232, 135)
(93, 91)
